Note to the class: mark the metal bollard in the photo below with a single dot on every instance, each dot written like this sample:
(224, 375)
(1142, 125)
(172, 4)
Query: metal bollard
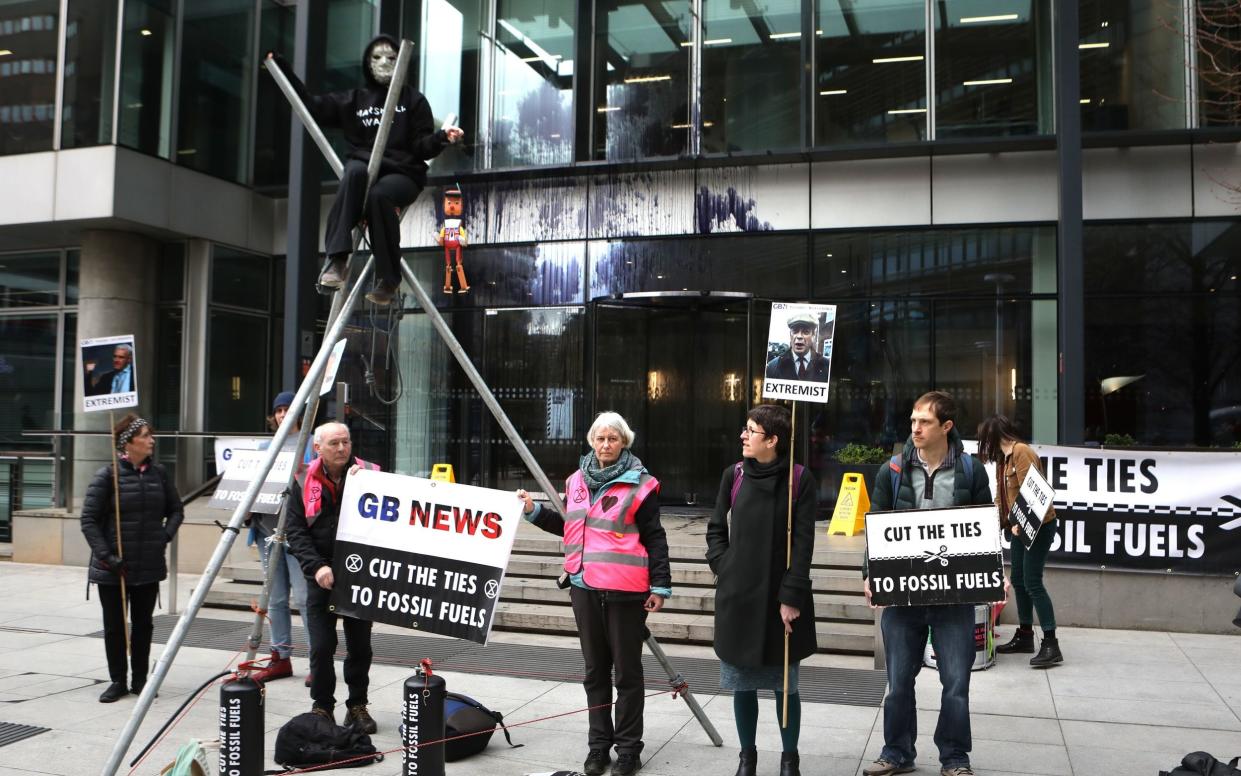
(423, 715)
(241, 728)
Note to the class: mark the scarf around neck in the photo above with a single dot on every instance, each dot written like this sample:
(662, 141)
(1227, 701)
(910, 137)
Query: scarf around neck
(598, 477)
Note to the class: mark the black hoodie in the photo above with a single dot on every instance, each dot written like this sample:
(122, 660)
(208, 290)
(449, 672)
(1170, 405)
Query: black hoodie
(413, 138)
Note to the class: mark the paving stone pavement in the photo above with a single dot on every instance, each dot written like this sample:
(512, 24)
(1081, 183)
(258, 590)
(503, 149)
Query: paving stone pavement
(1124, 702)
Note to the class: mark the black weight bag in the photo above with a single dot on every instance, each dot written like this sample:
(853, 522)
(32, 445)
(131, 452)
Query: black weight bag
(464, 716)
(1203, 764)
(311, 739)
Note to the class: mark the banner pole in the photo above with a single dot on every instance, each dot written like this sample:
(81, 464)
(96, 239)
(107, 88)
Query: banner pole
(788, 557)
(120, 549)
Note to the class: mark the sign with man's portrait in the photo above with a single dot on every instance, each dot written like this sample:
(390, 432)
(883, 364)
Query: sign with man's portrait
(799, 351)
(109, 372)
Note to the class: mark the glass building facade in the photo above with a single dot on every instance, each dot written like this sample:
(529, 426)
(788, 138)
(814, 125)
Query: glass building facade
(656, 322)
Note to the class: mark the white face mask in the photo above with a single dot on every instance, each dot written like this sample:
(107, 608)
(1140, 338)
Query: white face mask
(383, 62)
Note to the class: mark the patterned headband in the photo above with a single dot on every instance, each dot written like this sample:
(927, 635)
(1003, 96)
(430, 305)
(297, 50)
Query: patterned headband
(123, 438)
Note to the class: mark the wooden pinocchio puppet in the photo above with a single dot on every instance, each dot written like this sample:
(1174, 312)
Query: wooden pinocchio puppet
(452, 236)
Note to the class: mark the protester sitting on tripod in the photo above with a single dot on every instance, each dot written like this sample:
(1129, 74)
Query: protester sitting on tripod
(133, 567)
(616, 561)
(412, 140)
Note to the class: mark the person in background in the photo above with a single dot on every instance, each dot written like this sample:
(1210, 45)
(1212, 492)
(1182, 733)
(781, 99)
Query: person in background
(616, 560)
(760, 594)
(999, 443)
(151, 513)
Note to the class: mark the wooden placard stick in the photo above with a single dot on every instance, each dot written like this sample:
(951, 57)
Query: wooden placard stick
(120, 549)
(788, 559)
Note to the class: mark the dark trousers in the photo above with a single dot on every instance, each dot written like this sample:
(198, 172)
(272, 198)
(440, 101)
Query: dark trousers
(322, 624)
(390, 193)
(141, 601)
(1027, 578)
(612, 628)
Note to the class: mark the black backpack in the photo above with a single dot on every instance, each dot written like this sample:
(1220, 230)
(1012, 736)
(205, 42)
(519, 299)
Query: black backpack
(1203, 764)
(312, 739)
(464, 715)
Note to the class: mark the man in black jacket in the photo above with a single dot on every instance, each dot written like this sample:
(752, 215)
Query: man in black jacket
(314, 510)
(801, 361)
(412, 140)
(934, 472)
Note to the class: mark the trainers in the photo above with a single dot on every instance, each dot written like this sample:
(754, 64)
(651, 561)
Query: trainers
(381, 294)
(626, 764)
(358, 718)
(276, 668)
(326, 713)
(114, 693)
(334, 273)
(882, 767)
(138, 685)
(957, 770)
(597, 762)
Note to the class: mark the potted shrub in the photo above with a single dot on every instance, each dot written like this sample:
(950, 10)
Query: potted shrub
(862, 459)
(1119, 440)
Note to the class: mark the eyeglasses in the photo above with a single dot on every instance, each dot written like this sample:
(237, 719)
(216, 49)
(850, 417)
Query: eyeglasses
(747, 431)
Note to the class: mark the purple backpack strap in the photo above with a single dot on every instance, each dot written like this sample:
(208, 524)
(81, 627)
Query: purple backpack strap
(797, 470)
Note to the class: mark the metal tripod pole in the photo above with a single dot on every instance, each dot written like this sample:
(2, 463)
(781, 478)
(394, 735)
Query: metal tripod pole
(278, 546)
(489, 399)
(300, 400)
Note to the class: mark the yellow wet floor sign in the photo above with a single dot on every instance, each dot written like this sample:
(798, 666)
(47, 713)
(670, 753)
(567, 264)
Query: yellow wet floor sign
(852, 504)
(442, 472)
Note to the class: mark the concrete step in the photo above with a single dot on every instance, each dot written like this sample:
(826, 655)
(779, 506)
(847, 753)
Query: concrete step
(674, 627)
(690, 600)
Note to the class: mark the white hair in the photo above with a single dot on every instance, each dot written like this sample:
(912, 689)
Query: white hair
(323, 429)
(614, 421)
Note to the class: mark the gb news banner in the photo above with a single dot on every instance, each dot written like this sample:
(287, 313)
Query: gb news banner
(934, 556)
(1145, 509)
(799, 352)
(421, 554)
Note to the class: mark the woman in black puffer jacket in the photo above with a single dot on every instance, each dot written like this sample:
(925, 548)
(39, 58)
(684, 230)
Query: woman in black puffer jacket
(150, 516)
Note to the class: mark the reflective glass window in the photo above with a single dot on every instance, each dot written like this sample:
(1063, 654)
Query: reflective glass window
(237, 395)
(768, 265)
(1132, 65)
(168, 366)
(992, 68)
(147, 43)
(217, 71)
(29, 279)
(28, 34)
(449, 57)
(90, 64)
(641, 78)
(1163, 358)
(532, 120)
(73, 258)
(240, 279)
(751, 76)
(548, 273)
(27, 379)
(172, 272)
(870, 72)
(1218, 53)
(271, 129)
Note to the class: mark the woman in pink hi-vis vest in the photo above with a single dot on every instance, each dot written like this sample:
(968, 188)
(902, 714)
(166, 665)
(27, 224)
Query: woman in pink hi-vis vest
(616, 569)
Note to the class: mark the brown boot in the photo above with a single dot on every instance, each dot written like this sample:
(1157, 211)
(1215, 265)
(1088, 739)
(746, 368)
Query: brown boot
(462, 285)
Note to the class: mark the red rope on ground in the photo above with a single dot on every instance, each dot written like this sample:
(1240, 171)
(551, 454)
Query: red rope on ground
(510, 725)
(182, 715)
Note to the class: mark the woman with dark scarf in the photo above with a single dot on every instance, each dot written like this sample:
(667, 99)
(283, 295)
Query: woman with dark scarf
(616, 569)
(150, 515)
(760, 596)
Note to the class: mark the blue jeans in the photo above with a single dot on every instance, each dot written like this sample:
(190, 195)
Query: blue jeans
(288, 575)
(904, 639)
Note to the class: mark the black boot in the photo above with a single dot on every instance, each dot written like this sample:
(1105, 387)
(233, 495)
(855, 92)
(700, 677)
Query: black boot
(1021, 642)
(1048, 653)
(114, 692)
(749, 762)
(790, 764)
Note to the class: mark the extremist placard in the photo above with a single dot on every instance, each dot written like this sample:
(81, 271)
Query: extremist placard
(423, 554)
(924, 557)
(1028, 510)
(109, 373)
(242, 467)
(798, 351)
